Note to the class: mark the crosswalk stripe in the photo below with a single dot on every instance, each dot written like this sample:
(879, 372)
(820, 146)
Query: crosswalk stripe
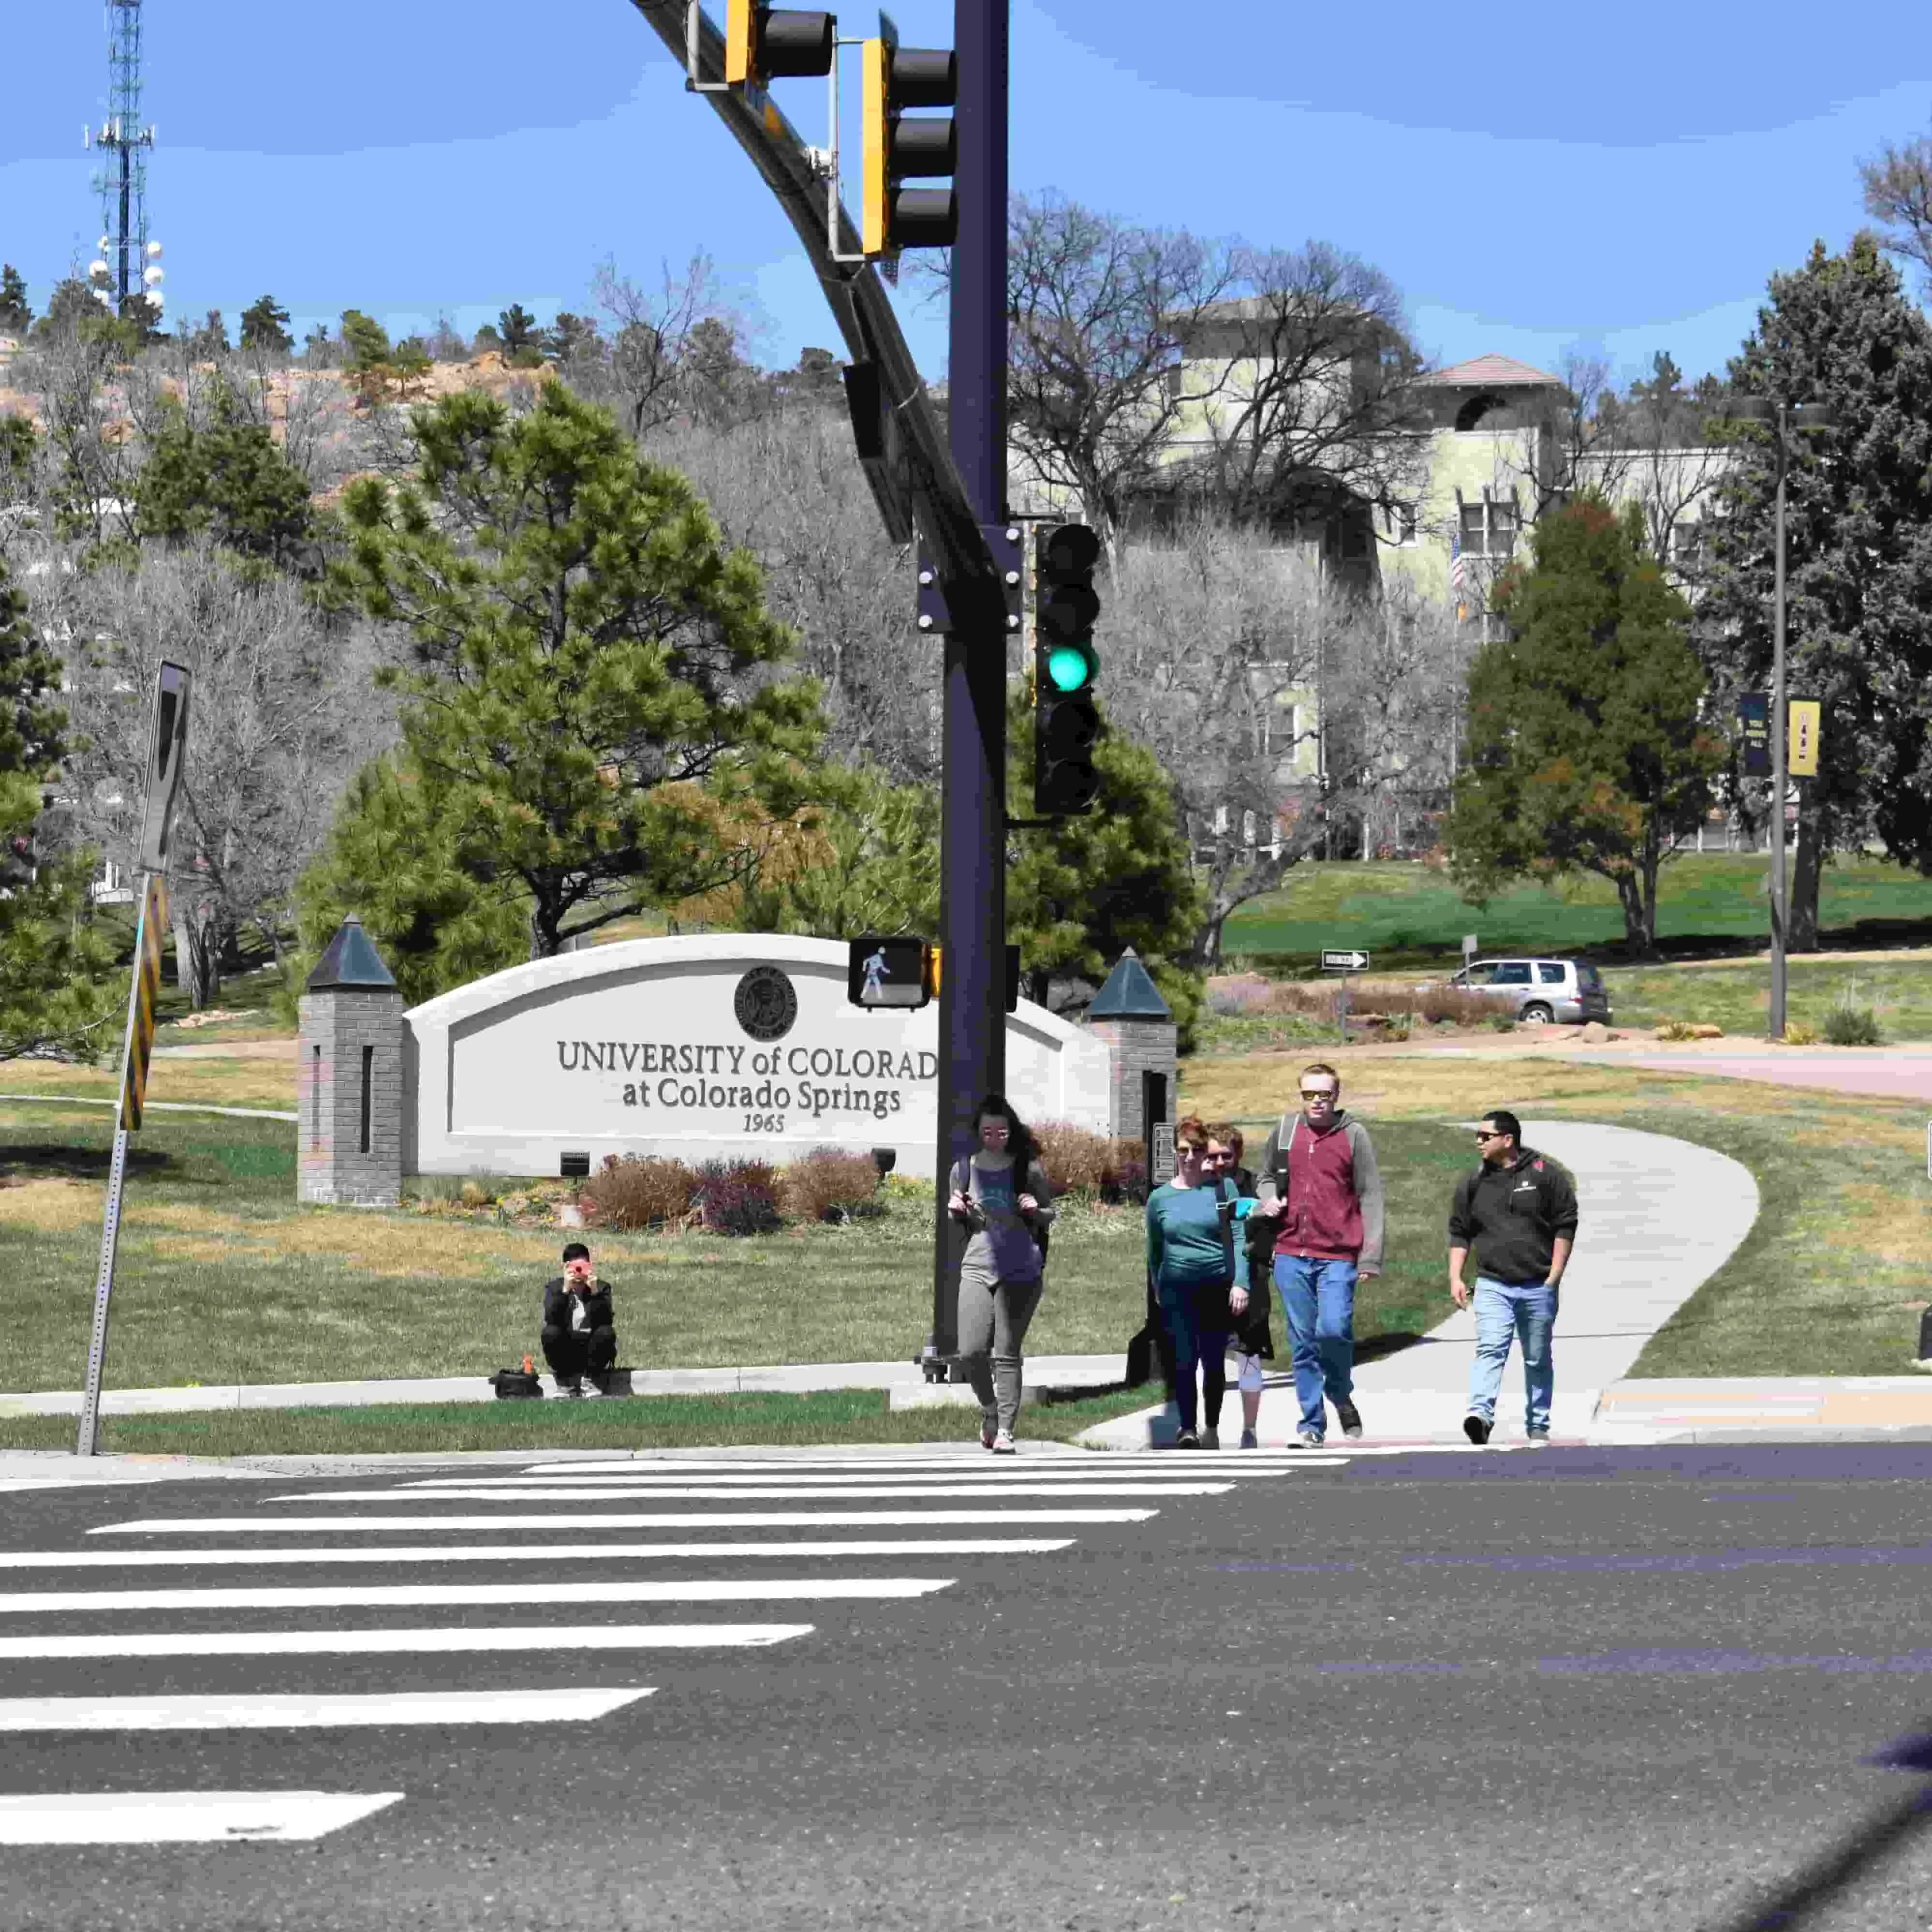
(553, 1518)
(980, 1479)
(560, 1638)
(916, 1547)
(774, 1589)
(277, 1710)
(1096, 1463)
(773, 1493)
(182, 1817)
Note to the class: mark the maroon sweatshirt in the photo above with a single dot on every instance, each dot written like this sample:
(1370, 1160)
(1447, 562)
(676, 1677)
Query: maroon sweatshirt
(1334, 1209)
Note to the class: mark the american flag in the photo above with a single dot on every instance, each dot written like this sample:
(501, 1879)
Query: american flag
(1459, 575)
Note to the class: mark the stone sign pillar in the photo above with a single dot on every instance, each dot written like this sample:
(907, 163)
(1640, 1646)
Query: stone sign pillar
(349, 1135)
(1128, 1014)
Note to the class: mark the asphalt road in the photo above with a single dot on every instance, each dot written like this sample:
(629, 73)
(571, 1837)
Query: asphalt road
(1575, 1688)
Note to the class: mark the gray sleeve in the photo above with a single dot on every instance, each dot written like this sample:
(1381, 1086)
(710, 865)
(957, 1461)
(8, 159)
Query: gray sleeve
(1041, 1188)
(1264, 1187)
(1369, 1196)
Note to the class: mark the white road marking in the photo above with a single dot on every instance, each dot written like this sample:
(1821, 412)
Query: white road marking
(182, 1817)
(773, 1493)
(560, 1638)
(555, 1519)
(1180, 1462)
(390, 1596)
(980, 1479)
(916, 1547)
(280, 1712)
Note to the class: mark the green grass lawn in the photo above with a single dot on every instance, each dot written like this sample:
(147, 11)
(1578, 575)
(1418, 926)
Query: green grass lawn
(659, 1422)
(223, 1279)
(1709, 904)
(1738, 998)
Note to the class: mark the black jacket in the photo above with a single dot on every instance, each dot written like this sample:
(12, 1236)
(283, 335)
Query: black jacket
(557, 1299)
(1512, 1216)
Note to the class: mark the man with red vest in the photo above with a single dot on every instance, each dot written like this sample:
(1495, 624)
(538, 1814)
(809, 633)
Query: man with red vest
(1322, 1193)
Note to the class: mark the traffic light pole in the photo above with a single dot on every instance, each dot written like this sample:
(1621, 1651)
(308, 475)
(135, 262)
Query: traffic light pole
(973, 825)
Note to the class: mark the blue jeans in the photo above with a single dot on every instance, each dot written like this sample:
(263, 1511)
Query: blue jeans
(1192, 1348)
(1318, 1302)
(1504, 1311)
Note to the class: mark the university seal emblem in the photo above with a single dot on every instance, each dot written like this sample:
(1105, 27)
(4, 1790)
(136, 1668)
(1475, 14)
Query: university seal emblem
(766, 1003)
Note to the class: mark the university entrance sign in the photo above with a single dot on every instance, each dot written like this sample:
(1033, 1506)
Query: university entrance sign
(728, 1045)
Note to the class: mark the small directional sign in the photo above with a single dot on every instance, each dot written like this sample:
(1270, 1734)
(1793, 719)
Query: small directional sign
(1344, 962)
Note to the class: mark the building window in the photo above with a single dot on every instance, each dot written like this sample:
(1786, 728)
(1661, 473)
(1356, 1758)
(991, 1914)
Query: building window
(1399, 525)
(1247, 828)
(1488, 528)
(1687, 542)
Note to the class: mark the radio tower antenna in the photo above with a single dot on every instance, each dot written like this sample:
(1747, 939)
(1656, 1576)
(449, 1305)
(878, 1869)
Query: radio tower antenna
(128, 264)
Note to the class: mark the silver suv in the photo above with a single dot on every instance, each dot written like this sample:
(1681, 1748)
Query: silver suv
(1570, 990)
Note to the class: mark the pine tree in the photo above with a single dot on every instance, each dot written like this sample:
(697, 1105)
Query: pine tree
(228, 477)
(55, 969)
(1586, 749)
(521, 337)
(1858, 543)
(16, 317)
(590, 719)
(265, 326)
(1080, 892)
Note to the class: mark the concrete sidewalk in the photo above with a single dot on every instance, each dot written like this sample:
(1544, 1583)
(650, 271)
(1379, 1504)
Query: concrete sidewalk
(1657, 1217)
(905, 1385)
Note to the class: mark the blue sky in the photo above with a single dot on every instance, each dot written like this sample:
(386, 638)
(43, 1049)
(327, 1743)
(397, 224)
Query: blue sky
(1532, 179)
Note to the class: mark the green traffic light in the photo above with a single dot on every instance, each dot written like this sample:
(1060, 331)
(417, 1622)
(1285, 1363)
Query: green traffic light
(1069, 667)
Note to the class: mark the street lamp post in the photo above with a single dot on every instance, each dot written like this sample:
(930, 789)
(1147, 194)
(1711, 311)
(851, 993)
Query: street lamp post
(1783, 417)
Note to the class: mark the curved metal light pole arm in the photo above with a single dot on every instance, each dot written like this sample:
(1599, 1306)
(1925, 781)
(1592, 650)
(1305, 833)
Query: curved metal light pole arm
(947, 517)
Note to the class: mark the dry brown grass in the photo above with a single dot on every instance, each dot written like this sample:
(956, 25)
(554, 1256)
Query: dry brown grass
(50, 1207)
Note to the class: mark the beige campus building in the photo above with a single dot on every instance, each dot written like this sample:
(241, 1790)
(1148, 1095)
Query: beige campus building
(1491, 449)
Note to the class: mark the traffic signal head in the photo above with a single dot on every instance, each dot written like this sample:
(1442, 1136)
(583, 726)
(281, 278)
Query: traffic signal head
(896, 78)
(769, 43)
(1067, 725)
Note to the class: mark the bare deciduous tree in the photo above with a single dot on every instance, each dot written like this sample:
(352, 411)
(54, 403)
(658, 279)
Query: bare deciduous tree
(785, 487)
(1314, 406)
(656, 338)
(1206, 646)
(1898, 193)
(284, 710)
(1098, 313)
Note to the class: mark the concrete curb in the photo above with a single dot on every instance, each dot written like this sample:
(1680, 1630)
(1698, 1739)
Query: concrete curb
(801, 1378)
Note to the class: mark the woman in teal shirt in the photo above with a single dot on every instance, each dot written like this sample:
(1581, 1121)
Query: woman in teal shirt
(1191, 1257)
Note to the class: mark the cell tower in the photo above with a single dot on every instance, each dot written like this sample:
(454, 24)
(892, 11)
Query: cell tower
(129, 263)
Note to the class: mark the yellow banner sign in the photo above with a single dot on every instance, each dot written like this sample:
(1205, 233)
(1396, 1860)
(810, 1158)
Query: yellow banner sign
(145, 991)
(1805, 725)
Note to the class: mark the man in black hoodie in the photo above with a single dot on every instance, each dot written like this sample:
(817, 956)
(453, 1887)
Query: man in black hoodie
(578, 1334)
(1518, 1210)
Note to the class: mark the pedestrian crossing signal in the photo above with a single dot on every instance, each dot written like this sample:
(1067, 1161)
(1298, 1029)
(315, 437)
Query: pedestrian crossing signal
(882, 972)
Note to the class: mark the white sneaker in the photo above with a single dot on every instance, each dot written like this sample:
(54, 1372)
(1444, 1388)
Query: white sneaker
(1003, 1443)
(1210, 1438)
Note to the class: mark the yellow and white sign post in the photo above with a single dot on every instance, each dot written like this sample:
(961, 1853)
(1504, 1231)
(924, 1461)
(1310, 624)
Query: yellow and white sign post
(167, 747)
(1807, 721)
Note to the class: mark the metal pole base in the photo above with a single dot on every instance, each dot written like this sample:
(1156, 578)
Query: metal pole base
(103, 1287)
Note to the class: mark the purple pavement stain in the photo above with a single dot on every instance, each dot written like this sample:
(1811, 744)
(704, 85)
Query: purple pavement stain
(1906, 1754)
(1637, 1663)
(1712, 1560)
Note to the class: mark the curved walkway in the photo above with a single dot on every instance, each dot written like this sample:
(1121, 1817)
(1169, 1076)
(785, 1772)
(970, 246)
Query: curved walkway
(1658, 1216)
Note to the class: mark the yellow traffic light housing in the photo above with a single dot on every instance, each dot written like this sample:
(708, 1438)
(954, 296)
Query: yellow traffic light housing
(763, 44)
(895, 79)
